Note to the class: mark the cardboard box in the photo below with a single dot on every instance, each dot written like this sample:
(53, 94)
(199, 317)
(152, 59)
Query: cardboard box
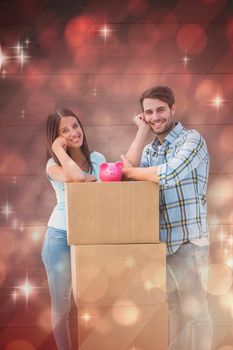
(124, 274)
(129, 327)
(112, 212)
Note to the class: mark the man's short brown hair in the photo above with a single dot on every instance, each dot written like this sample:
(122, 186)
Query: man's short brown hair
(163, 93)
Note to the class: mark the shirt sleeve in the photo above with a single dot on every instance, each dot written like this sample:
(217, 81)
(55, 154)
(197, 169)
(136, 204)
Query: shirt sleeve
(192, 152)
(98, 158)
(50, 162)
(144, 163)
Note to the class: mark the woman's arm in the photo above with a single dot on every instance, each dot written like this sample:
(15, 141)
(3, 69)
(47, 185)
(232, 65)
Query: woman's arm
(68, 171)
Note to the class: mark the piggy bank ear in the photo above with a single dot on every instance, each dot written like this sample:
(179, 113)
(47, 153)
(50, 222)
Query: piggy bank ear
(119, 165)
(103, 166)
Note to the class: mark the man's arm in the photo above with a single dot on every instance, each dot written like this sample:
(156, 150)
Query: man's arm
(135, 150)
(139, 174)
(142, 174)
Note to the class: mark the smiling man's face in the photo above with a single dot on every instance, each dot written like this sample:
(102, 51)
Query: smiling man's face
(159, 116)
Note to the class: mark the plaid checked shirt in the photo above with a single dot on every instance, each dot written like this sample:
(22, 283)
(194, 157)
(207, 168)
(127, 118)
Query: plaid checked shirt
(183, 165)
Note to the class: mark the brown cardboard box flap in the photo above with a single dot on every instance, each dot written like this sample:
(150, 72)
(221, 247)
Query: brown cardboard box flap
(112, 212)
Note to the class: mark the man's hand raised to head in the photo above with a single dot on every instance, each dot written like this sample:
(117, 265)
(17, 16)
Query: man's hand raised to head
(139, 120)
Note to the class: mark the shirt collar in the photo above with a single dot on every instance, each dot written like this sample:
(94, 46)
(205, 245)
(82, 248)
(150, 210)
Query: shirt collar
(171, 137)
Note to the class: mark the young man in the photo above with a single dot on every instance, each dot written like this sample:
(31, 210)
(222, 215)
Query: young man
(178, 160)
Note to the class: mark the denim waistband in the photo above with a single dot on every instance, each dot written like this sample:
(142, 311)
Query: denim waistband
(54, 229)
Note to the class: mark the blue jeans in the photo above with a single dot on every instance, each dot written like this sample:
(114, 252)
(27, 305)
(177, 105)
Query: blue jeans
(187, 300)
(56, 258)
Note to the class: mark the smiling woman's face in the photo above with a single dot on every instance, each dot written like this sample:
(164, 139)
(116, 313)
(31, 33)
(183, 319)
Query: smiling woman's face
(70, 129)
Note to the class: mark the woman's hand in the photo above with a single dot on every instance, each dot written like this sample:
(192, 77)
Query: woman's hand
(59, 142)
(89, 178)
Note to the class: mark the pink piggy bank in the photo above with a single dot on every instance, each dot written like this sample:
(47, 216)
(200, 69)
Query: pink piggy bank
(111, 171)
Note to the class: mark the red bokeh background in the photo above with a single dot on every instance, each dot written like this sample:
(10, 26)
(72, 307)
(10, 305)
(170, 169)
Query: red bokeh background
(97, 57)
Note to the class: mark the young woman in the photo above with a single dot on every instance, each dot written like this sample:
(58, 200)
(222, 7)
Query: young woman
(68, 160)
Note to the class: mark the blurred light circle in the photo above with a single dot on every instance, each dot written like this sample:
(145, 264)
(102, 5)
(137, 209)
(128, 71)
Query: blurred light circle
(125, 313)
(182, 102)
(36, 75)
(13, 68)
(168, 22)
(217, 279)
(19, 345)
(136, 8)
(227, 84)
(230, 220)
(178, 76)
(85, 56)
(154, 272)
(12, 162)
(220, 192)
(2, 272)
(191, 305)
(104, 328)
(115, 45)
(48, 26)
(44, 319)
(94, 283)
(64, 84)
(226, 139)
(230, 33)
(143, 37)
(125, 84)
(168, 27)
(7, 243)
(191, 38)
(79, 30)
(207, 91)
(232, 310)
(48, 37)
(226, 301)
(40, 103)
